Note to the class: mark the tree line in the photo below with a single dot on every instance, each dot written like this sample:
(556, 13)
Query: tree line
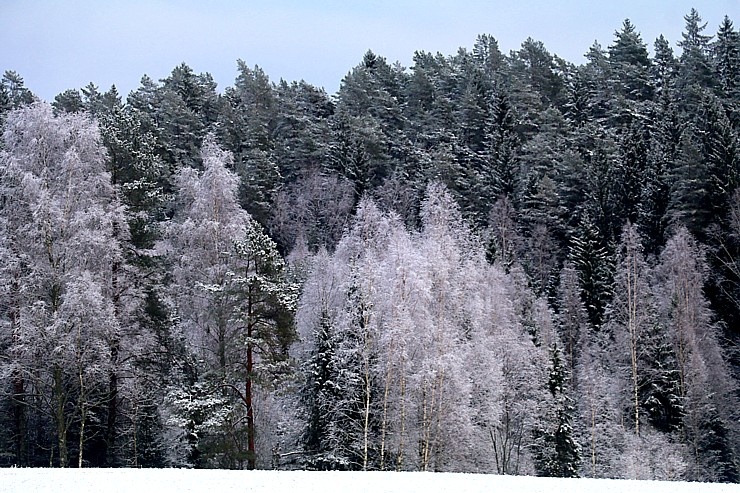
(485, 262)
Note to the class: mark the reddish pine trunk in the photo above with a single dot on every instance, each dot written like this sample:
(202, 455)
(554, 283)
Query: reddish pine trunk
(251, 453)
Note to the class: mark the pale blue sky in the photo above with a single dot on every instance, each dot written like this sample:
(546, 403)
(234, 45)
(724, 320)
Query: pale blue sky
(57, 45)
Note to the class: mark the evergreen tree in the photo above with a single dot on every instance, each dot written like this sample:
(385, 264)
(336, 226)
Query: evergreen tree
(591, 259)
(69, 101)
(501, 149)
(320, 397)
(726, 54)
(233, 300)
(664, 68)
(630, 170)
(15, 92)
(695, 69)
(630, 64)
(707, 173)
(539, 68)
(247, 127)
(558, 454)
(665, 137)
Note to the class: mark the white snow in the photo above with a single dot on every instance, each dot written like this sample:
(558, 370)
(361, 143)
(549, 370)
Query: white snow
(218, 481)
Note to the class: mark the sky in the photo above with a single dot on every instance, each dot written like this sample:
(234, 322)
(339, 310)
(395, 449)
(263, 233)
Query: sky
(59, 45)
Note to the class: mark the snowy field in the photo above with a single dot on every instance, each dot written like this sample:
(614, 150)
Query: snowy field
(213, 481)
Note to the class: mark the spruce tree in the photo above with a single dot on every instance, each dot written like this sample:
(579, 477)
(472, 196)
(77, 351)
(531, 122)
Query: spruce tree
(557, 452)
(591, 259)
(630, 64)
(695, 67)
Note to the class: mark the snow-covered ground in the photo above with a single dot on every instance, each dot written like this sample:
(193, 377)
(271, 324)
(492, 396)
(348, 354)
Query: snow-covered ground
(212, 481)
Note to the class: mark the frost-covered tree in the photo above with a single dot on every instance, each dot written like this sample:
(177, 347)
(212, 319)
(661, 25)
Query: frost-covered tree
(599, 408)
(63, 223)
(631, 315)
(705, 391)
(415, 357)
(572, 316)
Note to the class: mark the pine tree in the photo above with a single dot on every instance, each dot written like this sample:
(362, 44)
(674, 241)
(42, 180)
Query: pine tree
(540, 74)
(302, 132)
(369, 106)
(233, 299)
(16, 93)
(69, 101)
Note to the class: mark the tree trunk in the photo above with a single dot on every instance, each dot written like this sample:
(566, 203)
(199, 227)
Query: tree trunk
(19, 397)
(402, 431)
(632, 323)
(386, 393)
(593, 438)
(367, 385)
(111, 431)
(60, 418)
(19, 420)
(83, 418)
(251, 452)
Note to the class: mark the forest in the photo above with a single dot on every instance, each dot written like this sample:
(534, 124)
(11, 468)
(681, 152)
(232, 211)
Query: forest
(485, 262)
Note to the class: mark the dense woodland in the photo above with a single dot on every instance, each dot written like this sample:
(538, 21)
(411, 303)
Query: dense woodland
(484, 262)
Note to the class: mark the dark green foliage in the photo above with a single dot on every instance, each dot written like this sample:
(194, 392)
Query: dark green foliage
(726, 51)
(695, 68)
(715, 451)
(630, 64)
(662, 160)
(14, 93)
(591, 260)
(708, 167)
(69, 101)
(630, 171)
(247, 125)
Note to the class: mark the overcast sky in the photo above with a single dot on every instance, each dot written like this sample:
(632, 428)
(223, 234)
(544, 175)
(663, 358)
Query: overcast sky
(57, 45)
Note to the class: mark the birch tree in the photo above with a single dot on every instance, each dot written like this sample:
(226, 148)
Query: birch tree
(60, 213)
(705, 389)
(631, 315)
